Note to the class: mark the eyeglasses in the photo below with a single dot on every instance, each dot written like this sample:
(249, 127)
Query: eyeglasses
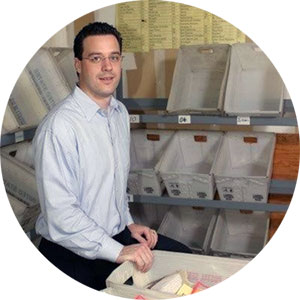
(96, 59)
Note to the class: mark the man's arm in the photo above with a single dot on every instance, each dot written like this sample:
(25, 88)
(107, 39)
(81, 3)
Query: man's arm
(57, 173)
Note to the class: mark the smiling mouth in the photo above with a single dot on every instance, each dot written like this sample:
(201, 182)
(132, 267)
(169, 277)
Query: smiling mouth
(106, 79)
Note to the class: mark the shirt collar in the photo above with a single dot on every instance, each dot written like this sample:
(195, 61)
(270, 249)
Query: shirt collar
(90, 107)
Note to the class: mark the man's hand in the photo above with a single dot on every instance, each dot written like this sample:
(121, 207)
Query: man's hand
(143, 234)
(140, 254)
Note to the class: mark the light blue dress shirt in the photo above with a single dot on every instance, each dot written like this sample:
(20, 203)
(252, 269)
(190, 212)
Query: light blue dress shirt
(82, 165)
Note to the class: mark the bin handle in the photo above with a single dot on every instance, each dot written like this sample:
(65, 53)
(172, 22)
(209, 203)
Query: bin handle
(200, 138)
(250, 139)
(153, 137)
(121, 274)
(206, 50)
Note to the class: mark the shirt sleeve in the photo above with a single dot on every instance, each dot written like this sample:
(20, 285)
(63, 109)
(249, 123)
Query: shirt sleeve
(57, 173)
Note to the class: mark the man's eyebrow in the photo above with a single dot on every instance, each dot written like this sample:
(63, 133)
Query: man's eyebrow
(100, 53)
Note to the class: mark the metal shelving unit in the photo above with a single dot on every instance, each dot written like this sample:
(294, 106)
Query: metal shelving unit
(159, 105)
(163, 117)
(276, 187)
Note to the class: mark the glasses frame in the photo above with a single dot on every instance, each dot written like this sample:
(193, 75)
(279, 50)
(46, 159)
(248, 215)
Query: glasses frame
(103, 58)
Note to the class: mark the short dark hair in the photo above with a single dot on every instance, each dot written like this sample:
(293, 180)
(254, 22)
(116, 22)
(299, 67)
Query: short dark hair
(96, 28)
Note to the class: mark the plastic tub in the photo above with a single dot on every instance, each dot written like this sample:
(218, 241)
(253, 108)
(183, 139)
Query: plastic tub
(47, 78)
(211, 271)
(254, 86)
(238, 234)
(146, 148)
(191, 226)
(199, 79)
(186, 167)
(65, 60)
(243, 167)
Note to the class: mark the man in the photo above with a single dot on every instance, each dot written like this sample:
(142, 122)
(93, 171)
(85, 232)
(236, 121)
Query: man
(82, 164)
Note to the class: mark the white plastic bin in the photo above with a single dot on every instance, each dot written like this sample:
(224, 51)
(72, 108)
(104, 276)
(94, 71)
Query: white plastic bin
(211, 270)
(146, 148)
(199, 79)
(148, 214)
(65, 61)
(10, 122)
(23, 152)
(47, 78)
(19, 179)
(25, 101)
(191, 226)
(238, 234)
(186, 167)
(254, 86)
(243, 167)
(26, 213)
(124, 292)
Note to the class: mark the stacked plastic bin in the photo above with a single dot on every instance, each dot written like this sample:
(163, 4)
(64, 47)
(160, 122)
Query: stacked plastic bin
(199, 79)
(254, 87)
(243, 167)
(146, 148)
(186, 166)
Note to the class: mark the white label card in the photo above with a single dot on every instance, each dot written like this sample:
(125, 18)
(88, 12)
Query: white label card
(134, 118)
(243, 120)
(129, 198)
(184, 119)
(19, 136)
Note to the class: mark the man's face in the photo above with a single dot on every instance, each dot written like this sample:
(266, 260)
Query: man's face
(99, 80)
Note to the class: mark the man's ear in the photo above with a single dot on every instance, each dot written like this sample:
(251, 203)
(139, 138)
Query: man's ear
(77, 64)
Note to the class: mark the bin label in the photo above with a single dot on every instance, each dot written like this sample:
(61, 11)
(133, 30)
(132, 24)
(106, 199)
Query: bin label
(134, 118)
(258, 197)
(19, 136)
(201, 195)
(228, 196)
(184, 119)
(243, 120)
(176, 192)
(149, 190)
(129, 198)
(174, 185)
(227, 189)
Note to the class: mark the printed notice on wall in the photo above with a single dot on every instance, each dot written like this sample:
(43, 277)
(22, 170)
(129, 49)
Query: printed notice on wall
(195, 26)
(153, 24)
(225, 33)
(163, 25)
(132, 22)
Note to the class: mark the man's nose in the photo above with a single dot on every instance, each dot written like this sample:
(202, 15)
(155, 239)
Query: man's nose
(106, 64)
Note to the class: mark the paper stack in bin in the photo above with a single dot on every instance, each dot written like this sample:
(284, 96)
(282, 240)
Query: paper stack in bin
(208, 270)
(191, 226)
(186, 166)
(243, 166)
(146, 148)
(254, 86)
(238, 234)
(199, 79)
